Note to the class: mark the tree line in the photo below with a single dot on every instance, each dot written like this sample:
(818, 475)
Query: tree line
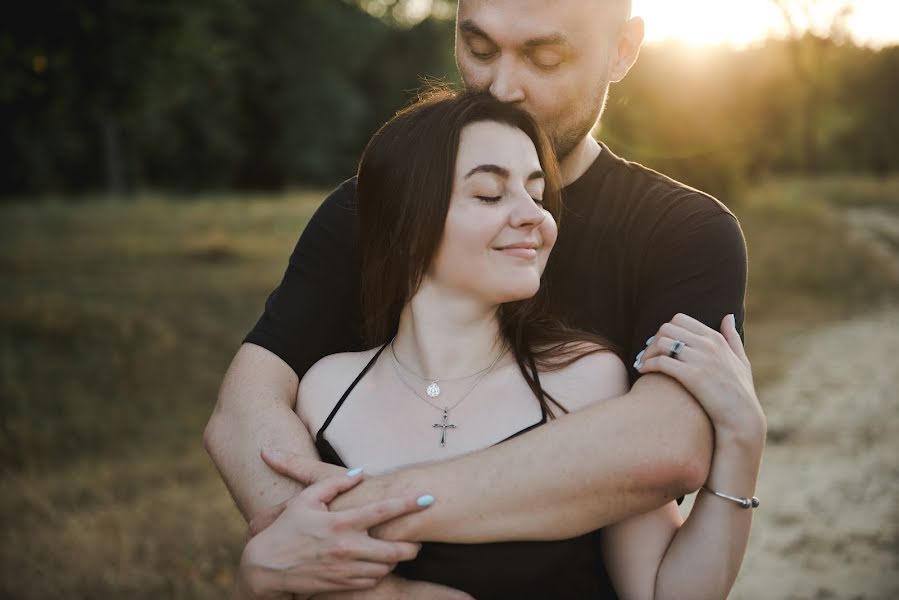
(121, 95)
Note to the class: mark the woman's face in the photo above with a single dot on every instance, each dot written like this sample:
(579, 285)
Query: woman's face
(497, 236)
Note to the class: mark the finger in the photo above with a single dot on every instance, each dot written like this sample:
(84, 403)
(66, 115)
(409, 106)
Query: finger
(360, 569)
(330, 587)
(433, 591)
(662, 347)
(696, 326)
(663, 340)
(730, 333)
(300, 468)
(669, 366)
(380, 551)
(328, 489)
(266, 518)
(366, 517)
(676, 332)
(361, 583)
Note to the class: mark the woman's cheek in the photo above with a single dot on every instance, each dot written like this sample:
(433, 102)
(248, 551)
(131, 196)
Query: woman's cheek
(549, 231)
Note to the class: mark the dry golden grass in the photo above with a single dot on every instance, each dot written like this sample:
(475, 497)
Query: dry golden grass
(117, 321)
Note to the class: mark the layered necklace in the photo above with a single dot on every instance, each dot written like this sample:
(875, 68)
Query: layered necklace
(432, 390)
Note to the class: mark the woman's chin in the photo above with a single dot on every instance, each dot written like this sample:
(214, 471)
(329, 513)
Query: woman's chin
(519, 291)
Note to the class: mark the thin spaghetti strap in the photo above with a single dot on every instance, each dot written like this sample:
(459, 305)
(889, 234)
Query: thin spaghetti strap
(348, 390)
(536, 375)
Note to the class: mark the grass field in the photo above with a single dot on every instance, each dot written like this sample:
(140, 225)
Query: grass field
(118, 319)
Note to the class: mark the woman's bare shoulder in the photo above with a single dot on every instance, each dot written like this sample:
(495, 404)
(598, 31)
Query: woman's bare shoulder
(597, 375)
(326, 381)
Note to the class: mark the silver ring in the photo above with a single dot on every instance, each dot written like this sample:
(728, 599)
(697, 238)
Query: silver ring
(676, 348)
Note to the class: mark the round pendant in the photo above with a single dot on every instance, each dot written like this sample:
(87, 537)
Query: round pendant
(433, 390)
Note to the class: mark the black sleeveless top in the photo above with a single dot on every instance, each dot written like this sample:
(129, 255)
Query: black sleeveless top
(570, 568)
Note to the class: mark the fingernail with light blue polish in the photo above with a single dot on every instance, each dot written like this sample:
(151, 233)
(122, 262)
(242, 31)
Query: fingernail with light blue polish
(649, 341)
(426, 500)
(353, 472)
(637, 363)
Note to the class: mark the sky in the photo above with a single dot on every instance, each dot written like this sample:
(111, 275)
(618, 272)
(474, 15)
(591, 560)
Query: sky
(742, 22)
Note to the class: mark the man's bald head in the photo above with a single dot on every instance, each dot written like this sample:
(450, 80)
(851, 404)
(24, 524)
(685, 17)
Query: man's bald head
(555, 58)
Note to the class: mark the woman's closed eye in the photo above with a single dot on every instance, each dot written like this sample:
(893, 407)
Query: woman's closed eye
(492, 199)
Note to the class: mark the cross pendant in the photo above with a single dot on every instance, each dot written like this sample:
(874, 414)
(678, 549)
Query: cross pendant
(445, 427)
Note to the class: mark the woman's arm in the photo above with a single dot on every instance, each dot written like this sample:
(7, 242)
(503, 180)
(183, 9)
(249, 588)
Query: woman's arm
(658, 555)
(715, 535)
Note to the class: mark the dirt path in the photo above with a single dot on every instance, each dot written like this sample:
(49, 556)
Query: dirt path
(879, 228)
(829, 523)
(828, 526)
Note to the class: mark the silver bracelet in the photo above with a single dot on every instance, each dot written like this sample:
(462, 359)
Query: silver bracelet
(751, 502)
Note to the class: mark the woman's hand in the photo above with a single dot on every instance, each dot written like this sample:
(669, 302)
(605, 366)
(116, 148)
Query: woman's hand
(714, 368)
(306, 549)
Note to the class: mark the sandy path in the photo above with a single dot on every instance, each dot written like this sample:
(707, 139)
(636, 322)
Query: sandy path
(879, 228)
(828, 526)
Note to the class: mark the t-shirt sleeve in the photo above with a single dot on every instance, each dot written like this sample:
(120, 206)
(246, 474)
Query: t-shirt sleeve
(315, 310)
(696, 264)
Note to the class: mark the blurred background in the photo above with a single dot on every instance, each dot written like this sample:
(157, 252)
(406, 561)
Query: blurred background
(158, 161)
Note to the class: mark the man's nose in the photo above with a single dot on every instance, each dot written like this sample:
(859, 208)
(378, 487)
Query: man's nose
(506, 85)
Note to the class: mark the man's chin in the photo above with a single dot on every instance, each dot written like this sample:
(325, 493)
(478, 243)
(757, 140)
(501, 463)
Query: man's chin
(564, 147)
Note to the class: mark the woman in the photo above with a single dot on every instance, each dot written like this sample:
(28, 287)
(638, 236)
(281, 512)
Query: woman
(458, 198)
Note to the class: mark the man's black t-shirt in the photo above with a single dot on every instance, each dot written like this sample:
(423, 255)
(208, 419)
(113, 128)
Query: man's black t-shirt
(634, 249)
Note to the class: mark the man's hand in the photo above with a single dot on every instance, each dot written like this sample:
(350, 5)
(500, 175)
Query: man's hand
(311, 472)
(397, 588)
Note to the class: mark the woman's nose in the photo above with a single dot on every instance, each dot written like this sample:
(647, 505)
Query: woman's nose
(527, 213)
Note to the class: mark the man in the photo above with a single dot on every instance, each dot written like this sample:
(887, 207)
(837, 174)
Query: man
(635, 248)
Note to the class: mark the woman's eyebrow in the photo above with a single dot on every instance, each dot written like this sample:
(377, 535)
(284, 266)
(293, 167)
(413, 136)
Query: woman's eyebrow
(493, 169)
(502, 172)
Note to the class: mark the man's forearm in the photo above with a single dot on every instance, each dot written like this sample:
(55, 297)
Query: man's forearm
(583, 471)
(255, 408)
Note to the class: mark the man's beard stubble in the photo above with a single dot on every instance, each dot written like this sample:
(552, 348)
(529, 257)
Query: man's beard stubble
(564, 141)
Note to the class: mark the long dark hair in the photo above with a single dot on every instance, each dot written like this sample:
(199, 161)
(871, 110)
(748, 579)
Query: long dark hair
(403, 190)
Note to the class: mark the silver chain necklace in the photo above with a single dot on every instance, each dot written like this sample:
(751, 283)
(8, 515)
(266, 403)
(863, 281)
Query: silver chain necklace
(433, 388)
(446, 409)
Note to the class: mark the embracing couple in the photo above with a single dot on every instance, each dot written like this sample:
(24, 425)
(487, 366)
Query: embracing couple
(529, 346)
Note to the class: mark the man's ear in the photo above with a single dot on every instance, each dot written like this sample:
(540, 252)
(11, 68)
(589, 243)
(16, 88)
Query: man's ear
(627, 48)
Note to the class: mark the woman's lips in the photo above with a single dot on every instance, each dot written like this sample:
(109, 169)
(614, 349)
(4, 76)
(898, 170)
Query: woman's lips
(523, 250)
(520, 252)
